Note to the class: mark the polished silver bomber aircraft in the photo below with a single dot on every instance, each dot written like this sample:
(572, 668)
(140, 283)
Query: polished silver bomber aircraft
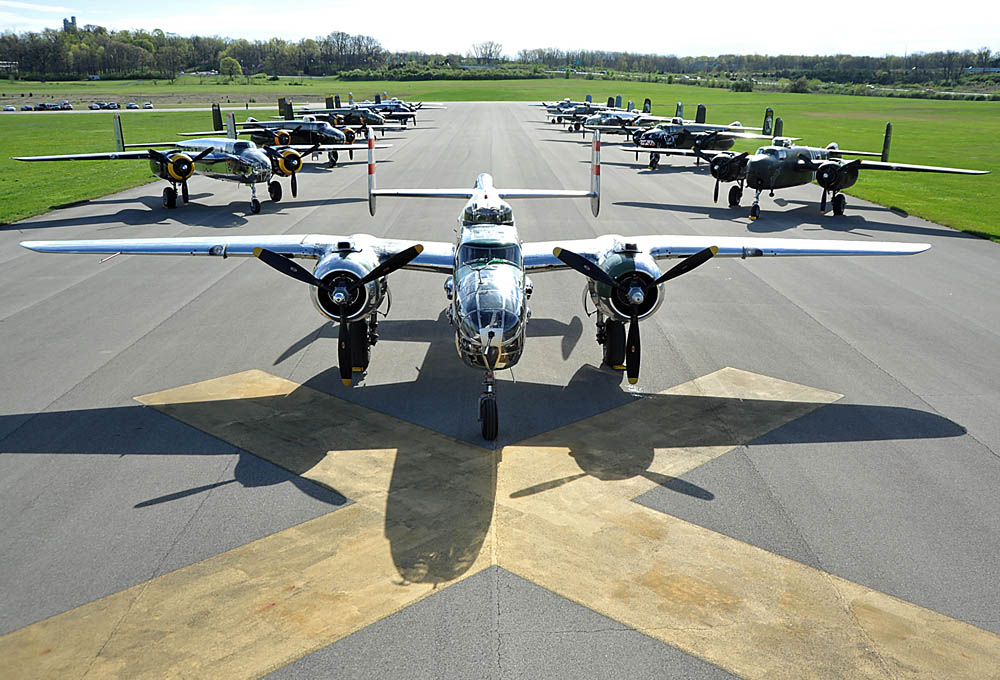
(486, 268)
(222, 158)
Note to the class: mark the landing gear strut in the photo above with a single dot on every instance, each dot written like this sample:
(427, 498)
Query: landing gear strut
(170, 198)
(654, 161)
(363, 336)
(488, 414)
(274, 191)
(755, 208)
(735, 195)
(254, 203)
(839, 203)
(332, 157)
(611, 334)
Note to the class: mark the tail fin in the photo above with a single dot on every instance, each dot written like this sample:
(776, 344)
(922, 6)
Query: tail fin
(329, 102)
(378, 98)
(371, 174)
(588, 99)
(119, 136)
(216, 117)
(282, 107)
(768, 122)
(647, 106)
(336, 101)
(680, 110)
(231, 125)
(779, 127)
(611, 102)
(631, 105)
(618, 101)
(595, 174)
(885, 144)
(701, 115)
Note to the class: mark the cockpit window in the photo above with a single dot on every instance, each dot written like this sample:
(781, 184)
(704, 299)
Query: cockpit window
(472, 254)
(767, 151)
(498, 214)
(240, 147)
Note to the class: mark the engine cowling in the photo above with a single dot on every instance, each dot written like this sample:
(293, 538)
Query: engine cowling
(286, 161)
(178, 166)
(350, 135)
(725, 167)
(282, 137)
(631, 268)
(835, 176)
(344, 267)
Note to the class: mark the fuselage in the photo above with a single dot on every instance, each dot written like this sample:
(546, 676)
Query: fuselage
(243, 162)
(774, 167)
(488, 301)
(678, 136)
(300, 132)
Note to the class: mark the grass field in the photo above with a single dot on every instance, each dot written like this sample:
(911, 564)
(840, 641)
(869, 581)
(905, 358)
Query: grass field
(950, 133)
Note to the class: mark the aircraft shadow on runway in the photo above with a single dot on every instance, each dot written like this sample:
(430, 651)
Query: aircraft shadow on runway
(235, 214)
(440, 499)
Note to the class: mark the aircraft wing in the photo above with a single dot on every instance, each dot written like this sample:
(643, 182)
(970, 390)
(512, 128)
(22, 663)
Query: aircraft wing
(103, 156)
(438, 257)
(539, 256)
(335, 147)
(711, 153)
(907, 167)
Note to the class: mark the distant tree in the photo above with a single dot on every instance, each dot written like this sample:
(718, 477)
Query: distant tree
(230, 67)
(488, 52)
(799, 85)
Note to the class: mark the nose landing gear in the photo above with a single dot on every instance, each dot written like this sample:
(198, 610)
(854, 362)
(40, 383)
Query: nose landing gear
(755, 208)
(489, 416)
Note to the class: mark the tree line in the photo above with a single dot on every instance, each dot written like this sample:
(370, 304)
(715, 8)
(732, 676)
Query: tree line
(95, 51)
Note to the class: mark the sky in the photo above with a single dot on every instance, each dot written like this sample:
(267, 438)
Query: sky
(859, 27)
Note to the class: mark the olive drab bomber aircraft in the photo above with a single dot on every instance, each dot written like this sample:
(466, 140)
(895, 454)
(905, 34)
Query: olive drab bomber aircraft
(487, 284)
(305, 133)
(222, 158)
(783, 164)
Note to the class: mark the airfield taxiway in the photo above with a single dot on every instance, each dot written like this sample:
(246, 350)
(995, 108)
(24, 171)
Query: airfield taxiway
(803, 484)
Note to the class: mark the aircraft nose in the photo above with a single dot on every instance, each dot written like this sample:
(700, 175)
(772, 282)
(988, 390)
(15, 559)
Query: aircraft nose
(759, 172)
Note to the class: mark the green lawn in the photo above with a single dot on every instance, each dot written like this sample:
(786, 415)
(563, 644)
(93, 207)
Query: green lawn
(956, 133)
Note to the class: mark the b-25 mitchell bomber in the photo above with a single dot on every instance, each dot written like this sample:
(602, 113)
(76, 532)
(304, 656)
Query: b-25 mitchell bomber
(783, 164)
(223, 158)
(487, 266)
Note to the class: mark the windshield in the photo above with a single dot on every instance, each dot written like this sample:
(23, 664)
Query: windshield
(767, 151)
(490, 299)
(474, 254)
(240, 147)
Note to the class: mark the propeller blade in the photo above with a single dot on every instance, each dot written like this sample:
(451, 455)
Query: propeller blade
(585, 267)
(715, 194)
(289, 267)
(704, 140)
(350, 154)
(313, 149)
(344, 349)
(822, 203)
(202, 154)
(632, 350)
(184, 191)
(295, 186)
(158, 155)
(398, 260)
(686, 265)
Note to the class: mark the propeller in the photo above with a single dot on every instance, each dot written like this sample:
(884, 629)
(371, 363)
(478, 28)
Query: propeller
(341, 295)
(633, 296)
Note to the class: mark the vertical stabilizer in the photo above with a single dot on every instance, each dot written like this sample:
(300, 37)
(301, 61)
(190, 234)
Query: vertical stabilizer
(680, 110)
(588, 99)
(216, 117)
(779, 127)
(611, 102)
(119, 136)
(329, 102)
(231, 125)
(631, 105)
(336, 101)
(647, 106)
(886, 142)
(768, 127)
(378, 98)
(618, 101)
(595, 174)
(702, 114)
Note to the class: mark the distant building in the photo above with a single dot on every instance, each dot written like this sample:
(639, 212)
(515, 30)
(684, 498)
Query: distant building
(69, 25)
(980, 69)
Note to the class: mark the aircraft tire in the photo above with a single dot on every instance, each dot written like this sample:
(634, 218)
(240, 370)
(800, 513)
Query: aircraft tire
(333, 157)
(361, 351)
(654, 161)
(735, 194)
(274, 191)
(614, 343)
(254, 206)
(839, 203)
(170, 198)
(490, 418)
(754, 212)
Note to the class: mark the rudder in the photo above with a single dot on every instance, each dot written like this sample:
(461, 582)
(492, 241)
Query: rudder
(216, 117)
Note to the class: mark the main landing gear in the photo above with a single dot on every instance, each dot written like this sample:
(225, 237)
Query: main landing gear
(274, 190)
(364, 335)
(332, 157)
(839, 203)
(735, 195)
(170, 198)
(654, 161)
(611, 335)
(489, 416)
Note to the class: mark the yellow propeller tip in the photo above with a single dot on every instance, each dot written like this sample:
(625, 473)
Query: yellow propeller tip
(619, 367)
(556, 251)
(632, 381)
(346, 381)
(257, 252)
(357, 369)
(715, 250)
(419, 248)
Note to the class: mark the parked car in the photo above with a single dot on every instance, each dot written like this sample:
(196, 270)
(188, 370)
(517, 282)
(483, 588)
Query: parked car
(131, 105)
(113, 105)
(27, 107)
(65, 106)
(8, 107)
(147, 105)
(96, 106)
(46, 106)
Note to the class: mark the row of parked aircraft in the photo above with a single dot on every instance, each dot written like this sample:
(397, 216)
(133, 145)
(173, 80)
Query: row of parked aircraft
(487, 266)
(778, 165)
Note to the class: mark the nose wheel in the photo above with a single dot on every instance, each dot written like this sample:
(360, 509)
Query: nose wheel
(274, 191)
(755, 208)
(839, 203)
(254, 203)
(489, 416)
(170, 198)
(735, 195)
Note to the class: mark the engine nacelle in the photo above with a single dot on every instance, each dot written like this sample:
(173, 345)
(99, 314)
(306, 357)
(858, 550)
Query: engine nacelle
(631, 268)
(177, 168)
(725, 168)
(285, 161)
(836, 176)
(341, 268)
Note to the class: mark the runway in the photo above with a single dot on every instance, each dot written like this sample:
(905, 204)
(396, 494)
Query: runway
(803, 484)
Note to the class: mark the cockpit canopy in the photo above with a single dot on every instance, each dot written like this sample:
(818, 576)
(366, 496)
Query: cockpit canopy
(472, 254)
(241, 146)
(493, 213)
(491, 299)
